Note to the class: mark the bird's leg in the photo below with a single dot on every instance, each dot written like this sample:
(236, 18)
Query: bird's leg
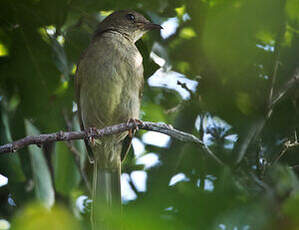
(136, 123)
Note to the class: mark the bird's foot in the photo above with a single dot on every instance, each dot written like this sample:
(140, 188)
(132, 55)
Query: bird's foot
(90, 135)
(136, 123)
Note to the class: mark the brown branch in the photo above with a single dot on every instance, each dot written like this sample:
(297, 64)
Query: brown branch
(184, 86)
(98, 133)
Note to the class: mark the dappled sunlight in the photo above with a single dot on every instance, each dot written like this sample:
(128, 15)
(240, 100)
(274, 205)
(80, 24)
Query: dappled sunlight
(169, 80)
(178, 178)
(3, 180)
(169, 27)
(139, 180)
(157, 139)
(149, 160)
(127, 193)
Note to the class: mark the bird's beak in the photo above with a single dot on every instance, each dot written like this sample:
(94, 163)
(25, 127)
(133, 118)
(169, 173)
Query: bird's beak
(152, 26)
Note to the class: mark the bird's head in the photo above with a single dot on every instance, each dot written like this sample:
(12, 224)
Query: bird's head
(131, 24)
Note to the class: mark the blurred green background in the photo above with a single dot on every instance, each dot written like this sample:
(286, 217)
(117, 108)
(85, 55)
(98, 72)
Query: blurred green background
(223, 70)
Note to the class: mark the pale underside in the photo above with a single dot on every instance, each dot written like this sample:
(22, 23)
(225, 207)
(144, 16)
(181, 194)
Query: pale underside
(110, 91)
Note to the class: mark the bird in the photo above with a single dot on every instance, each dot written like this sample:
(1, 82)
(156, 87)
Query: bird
(108, 89)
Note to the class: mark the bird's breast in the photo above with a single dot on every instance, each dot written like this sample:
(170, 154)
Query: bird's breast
(137, 60)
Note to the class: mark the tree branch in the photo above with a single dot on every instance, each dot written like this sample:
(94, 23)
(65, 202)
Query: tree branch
(98, 133)
(184, 86)
(287, 146)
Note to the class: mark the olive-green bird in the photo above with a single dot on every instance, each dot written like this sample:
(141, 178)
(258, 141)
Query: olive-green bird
(108, 85)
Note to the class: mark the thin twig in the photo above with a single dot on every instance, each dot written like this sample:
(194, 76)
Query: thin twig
(287, 86)
(287, 145)
(261, 183)
(209, 151)
(98, 133)
(174, 109)
(278, 40)
(273, 82)
(256, 130)
(184, 86)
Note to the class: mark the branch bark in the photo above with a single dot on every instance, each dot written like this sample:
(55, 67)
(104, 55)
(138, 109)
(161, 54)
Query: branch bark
(98, 133)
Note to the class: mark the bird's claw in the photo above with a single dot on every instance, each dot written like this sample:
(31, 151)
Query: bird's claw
(136, 122)
(90, 135)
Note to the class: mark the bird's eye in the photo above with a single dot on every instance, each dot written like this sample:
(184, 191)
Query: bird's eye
(130, 17)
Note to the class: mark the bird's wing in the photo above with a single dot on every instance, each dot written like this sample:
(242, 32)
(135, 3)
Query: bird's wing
(77, 95)
(127, 142)
(126, 145)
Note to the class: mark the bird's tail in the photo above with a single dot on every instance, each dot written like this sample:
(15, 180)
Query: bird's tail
(106, 196)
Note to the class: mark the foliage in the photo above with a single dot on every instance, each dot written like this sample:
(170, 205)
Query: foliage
(235, 57)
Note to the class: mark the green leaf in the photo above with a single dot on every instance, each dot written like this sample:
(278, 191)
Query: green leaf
(3, 50)
(10, 163)
(153, 112)
(292, 9)
(244, 103)
(60, 59)
(265, 37)
(36, 217)
(187, 33)
(41, 175)
(291, 207)
(288, 36)
(180, 11)
(66, 173)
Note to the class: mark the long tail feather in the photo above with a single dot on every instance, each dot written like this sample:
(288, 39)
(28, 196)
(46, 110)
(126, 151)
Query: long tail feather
(106, 196)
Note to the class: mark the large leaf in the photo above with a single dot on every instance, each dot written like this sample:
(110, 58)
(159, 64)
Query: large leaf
(66, 172)
(36, 217)
(10, 163)
(41, 175)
